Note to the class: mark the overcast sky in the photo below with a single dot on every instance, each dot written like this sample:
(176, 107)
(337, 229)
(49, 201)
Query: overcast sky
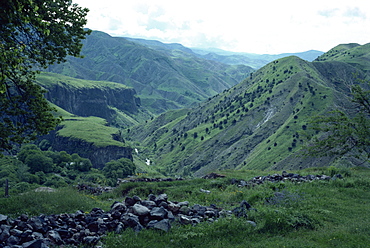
(259, 26)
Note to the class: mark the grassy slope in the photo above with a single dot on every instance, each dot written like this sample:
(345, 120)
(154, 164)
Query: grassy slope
(256, 124)
(49, 79)
(317, 214)
(90, 129)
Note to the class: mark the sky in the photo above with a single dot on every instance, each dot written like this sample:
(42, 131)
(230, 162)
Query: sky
(259, 26)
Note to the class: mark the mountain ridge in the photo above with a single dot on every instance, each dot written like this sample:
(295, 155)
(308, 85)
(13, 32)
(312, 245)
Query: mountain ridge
(161, 81)
(257, 124)
(253, 60)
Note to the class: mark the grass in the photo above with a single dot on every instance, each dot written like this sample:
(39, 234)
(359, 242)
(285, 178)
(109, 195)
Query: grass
(318, 214)
(36, 203)
(48, 79)
(90, 129)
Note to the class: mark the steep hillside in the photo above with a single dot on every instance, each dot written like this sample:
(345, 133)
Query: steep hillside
(256, 124)
(162, 81)
(353, 54)
(115, 102)
(90, 137)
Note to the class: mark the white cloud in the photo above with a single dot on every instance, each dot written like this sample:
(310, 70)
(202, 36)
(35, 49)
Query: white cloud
(265, 26)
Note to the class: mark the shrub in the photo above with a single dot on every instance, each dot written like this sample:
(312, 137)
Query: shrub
(120, 168)
(37, 161)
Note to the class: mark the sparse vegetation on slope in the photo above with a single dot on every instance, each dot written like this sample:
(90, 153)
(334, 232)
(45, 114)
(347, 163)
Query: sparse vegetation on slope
(256, 124)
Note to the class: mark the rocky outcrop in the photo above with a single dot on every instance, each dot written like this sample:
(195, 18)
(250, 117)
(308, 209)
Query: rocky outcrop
(93, 101)
(97, 155)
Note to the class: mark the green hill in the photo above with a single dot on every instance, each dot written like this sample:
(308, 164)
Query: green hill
(256, 124)
(162, 81)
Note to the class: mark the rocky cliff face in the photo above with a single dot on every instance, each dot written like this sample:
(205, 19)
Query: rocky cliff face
(97, 155)
(97, 101)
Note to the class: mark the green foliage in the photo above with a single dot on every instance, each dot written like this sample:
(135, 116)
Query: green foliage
(120, 168)
(39, 162)
(33, 34)
(344, 134)
(54, 169)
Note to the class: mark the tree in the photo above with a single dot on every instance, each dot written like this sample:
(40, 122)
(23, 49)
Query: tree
(33, 35)
(344, 134)
(120, 168)
(39, 162)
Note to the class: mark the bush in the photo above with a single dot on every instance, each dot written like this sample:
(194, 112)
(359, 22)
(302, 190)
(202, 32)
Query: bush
(120, 168)
(39, 162)
(27, 150)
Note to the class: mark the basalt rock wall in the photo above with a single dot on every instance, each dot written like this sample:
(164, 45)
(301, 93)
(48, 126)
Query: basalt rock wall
(93, 101)
(97, 155)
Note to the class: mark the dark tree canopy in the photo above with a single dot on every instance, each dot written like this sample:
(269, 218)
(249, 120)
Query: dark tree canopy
(33, 35)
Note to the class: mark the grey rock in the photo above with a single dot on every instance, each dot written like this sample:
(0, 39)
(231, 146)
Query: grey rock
(3, 219)
(120, 228)
(160, 198)
(55, 237)
(39, 243)
(170, 216)
(140, 210)
(184, 210)
(129, 201)
(12, 240)
(149, 204)
(130, 220)
(158, 213)
(163, 225)
(205, 191)
(91, 240)
(136, 199)
(195, 221)
(184, 203)
(118, 206)
(163, 204)
(151, 197)
(252, 223)
(173, 207)
(185, 220)
(209, 214)
(15, 232)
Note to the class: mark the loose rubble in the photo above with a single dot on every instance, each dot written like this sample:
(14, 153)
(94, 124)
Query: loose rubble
(78, 228)
(291, 177)
(156, 212)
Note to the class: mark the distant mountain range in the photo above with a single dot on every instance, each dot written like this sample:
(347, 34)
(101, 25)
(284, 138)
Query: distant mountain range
(253, 60)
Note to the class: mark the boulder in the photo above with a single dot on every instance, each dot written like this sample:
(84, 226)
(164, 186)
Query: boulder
(158, 213)
(140, 210)
(163, 225)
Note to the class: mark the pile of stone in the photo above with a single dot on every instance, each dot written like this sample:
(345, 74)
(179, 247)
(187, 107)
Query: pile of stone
(87, 229)
(213, 176)
(145, 179)
(291, 177)
(98, 190)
